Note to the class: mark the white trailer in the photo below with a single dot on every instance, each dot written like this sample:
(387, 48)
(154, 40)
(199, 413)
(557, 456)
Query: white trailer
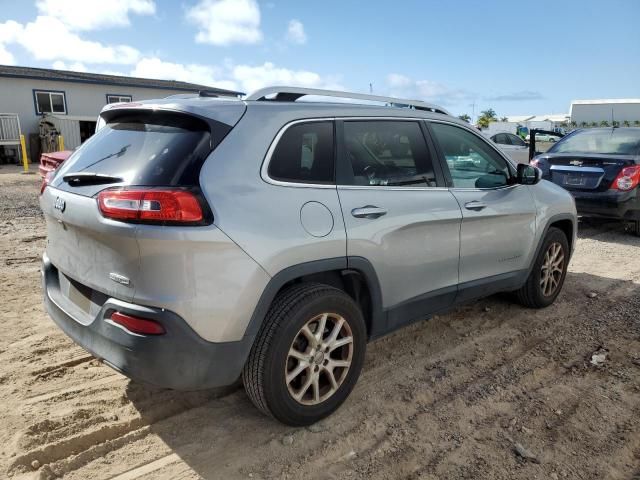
(74, 128)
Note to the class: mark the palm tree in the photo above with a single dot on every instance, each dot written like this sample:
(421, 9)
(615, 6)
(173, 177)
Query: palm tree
(584, 124)
(604, 123)
(486, 117)
(504, 119)
(626, 123)
(465, 117)
(594, 124)
(636, 123)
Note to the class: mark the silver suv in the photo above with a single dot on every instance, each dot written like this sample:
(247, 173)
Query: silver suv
(194, 240)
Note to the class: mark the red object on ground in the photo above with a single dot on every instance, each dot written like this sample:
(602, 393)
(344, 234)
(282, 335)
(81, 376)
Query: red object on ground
(52, 160)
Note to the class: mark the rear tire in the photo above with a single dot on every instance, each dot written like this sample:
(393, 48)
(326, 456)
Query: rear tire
(307, 356)
(549, 271)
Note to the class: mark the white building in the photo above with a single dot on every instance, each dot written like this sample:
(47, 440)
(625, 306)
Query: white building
(609, 110)
(72, 100)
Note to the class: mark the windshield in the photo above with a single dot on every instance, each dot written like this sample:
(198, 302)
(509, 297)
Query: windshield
(616, 141)
(145, 149)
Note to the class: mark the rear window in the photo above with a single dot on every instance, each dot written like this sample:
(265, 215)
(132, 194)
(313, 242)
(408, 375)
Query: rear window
(610, 141)
(304, 154)
(151, 149)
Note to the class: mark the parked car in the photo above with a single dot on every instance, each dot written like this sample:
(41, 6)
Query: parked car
(601, 169)
(513, 146)
(544, 137)
(52, 160)
(195, 240)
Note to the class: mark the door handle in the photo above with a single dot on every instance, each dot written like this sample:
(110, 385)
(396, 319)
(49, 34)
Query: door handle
(475, 205)
(368, 211)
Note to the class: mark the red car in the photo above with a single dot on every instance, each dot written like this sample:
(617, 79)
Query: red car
(50, 161)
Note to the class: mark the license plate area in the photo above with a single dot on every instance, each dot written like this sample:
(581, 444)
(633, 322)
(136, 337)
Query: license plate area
(574, 180)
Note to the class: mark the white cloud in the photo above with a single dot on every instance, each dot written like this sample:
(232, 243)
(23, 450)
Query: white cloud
(6, 57)
(427, 90)
(225, 22)
(296, 33)
(246, 78)
(207, 75)
(9, 31)
(95, 14)
(73, 67)
(251, 78)
(47, 38)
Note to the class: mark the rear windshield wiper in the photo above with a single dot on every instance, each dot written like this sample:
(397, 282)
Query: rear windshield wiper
(89, 178)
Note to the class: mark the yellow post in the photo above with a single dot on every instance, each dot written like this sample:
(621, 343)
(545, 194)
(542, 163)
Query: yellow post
(60, 142)
(25, 160)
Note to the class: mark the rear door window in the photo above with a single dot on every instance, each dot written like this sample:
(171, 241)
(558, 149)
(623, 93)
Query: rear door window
(388, 153)
(304, 154)
(150, 149)
(501, 139)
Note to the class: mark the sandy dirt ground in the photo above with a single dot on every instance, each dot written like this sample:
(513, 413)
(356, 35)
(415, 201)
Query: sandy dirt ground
(488, 391)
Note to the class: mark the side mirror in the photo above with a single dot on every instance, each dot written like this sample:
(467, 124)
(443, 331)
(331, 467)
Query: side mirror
(528, 174)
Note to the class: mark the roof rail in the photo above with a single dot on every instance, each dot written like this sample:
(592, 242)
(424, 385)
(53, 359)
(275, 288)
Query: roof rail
(291, 94)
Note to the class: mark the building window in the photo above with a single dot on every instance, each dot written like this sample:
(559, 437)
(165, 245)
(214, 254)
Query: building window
(118, 98)
(50, 102)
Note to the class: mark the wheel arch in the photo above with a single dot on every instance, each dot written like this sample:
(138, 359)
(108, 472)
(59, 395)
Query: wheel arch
(353, 275)
(564, 221)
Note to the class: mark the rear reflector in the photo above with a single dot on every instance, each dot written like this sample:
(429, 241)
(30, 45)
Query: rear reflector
(627, 179)
(151, 205)
(141, 326)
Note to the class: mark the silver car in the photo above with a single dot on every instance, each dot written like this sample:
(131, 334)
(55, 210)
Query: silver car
(195, 240)
(513, 146)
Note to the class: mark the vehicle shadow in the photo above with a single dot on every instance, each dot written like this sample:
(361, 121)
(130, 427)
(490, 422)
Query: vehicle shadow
(219, 433)
(611, 230)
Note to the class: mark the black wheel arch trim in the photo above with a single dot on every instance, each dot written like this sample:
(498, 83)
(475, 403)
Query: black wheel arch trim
(358, 264)
(554, 219)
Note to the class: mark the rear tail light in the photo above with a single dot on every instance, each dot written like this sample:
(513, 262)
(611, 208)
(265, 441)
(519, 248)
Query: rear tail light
(627, 179)
(150, 205)
(141, 326)
(46, 180)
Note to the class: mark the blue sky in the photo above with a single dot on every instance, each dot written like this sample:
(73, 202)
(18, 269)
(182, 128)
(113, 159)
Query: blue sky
(528, 59)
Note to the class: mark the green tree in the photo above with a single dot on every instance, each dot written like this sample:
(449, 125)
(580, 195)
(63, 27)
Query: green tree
(594, 124)
(584, 124)
(486, 117)
(465, 117)
(604, 123)
(636, 123)
(626, 123)
(504, 119)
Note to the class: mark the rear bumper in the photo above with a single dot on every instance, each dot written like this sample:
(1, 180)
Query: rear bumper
(179, 359)
(609, 204)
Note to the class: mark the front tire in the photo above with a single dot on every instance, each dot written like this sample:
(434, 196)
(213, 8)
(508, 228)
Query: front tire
(307, 356)
(549, 271)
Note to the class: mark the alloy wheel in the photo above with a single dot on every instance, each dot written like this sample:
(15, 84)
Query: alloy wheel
(552, 269)
(319, 358)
